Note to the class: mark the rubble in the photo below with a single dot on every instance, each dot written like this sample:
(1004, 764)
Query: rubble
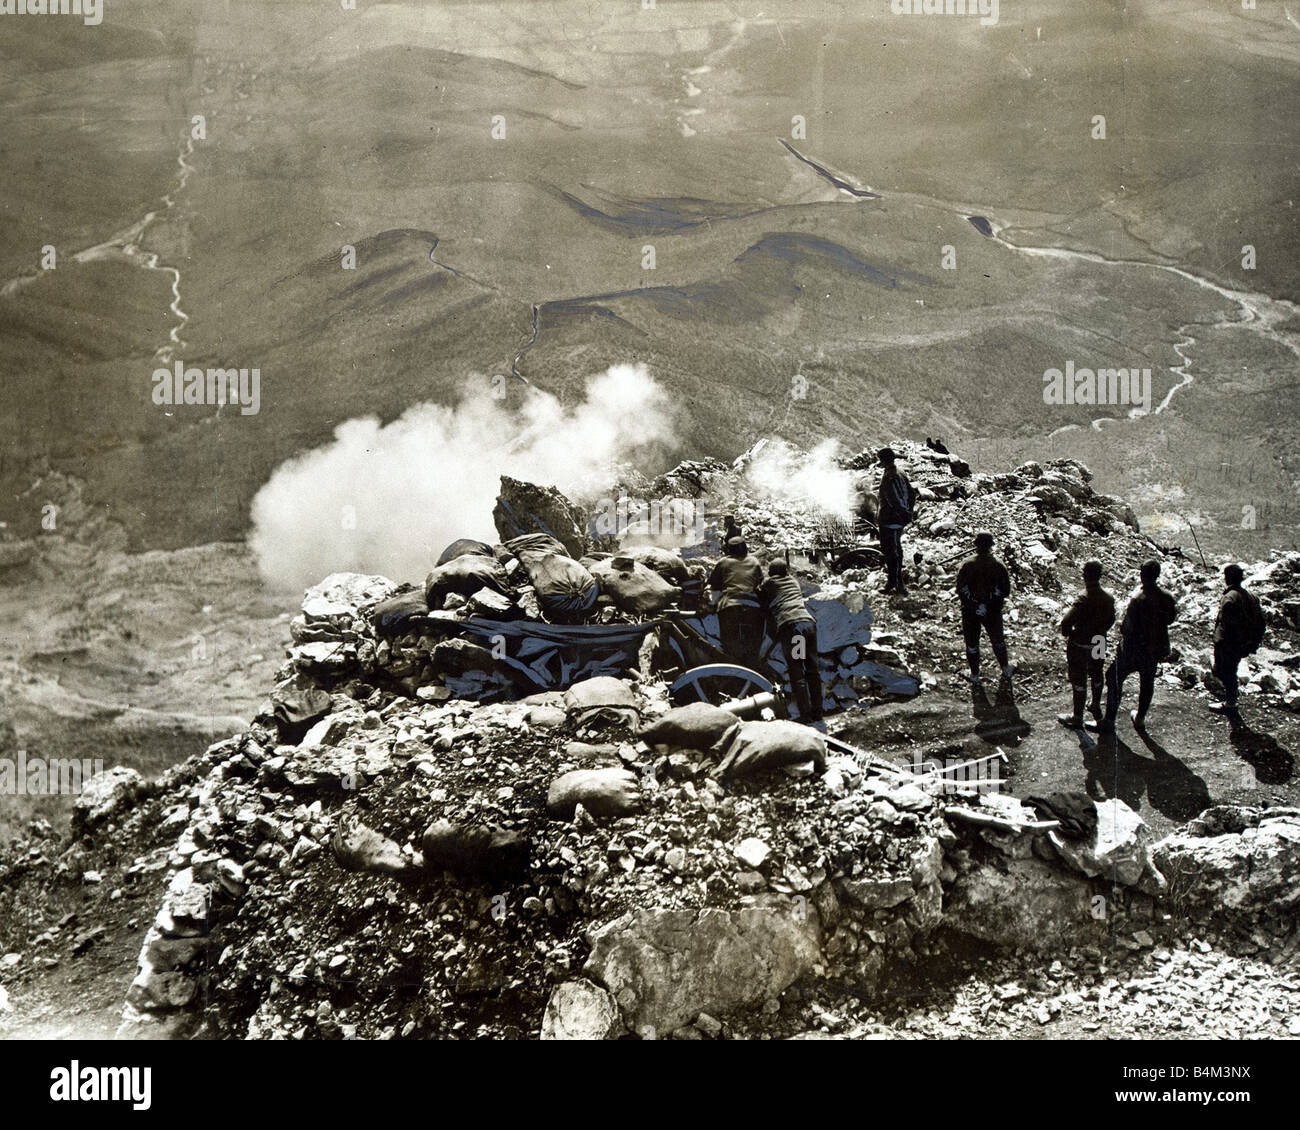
(105, 794)
(1234, 859)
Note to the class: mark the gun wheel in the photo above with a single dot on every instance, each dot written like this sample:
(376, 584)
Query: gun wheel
(858, 559)
(717, 683)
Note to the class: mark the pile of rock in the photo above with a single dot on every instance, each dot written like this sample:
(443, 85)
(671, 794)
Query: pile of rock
(1273, 672)
(416, 818)
(330, 628)
(593, 864)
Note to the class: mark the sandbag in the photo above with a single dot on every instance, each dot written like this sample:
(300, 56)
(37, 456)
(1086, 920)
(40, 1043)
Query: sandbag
(603, 697)
(534, 547)
(667, 563)
(392, 616)
(634, 588)
(463, 546)
(296, 702)
(565, 590)
(477, 852)
(697, 725)
(756, 747)
(602, 792)
(464, 575)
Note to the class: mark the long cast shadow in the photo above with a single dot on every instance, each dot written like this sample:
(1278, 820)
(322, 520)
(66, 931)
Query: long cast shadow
(1115, 770)
(1171, 786)
(998, 722)
(1273, 765)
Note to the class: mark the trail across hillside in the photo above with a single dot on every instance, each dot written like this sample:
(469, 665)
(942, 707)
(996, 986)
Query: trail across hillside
(126, 244)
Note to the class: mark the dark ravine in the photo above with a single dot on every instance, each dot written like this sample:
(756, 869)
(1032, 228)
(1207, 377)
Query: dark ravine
(838, 181)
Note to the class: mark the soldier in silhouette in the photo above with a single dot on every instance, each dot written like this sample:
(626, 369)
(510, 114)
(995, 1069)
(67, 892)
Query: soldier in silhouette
(1143, 643)
(896, 500)
(1238, 631)
(983, 585)
(796, 632)
(1084, 628)
(735, 580)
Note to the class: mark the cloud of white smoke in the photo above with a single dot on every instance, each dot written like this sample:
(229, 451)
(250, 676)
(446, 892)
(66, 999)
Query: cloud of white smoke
(388, 498)
(806, 479)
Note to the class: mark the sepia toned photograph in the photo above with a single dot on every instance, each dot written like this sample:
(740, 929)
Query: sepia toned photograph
(696, 520)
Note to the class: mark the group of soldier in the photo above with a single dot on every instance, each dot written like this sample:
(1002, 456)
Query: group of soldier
(983, 585)
(746, 600)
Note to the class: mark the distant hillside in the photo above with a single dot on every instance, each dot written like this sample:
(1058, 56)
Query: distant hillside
(374, 129)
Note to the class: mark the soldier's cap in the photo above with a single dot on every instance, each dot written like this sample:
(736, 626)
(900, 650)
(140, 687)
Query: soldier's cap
(886, 455)
(1233, 574)
(984, 540)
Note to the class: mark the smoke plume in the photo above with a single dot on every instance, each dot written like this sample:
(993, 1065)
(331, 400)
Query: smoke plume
(387, 498)
(812, 479)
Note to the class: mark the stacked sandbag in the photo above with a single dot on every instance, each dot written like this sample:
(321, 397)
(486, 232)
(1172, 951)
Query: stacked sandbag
(667, 563)
(632, 587)
(565, 589)
(464, 575)
(532, 548)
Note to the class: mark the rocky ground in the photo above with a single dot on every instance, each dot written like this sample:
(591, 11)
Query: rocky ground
(374, 858)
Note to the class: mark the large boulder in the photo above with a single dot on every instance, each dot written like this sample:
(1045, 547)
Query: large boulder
(1120, 851)
(665, 967)
(579, 1010)
(1253, 869)
(103, 795)
(1024, 903)
(526, 508)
